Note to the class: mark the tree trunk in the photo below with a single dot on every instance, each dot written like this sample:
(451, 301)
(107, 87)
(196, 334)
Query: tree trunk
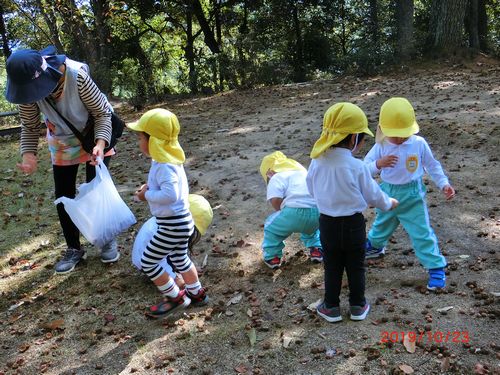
(48, 15)
(210, 41)
(373, 24)
(189, 51)
(102, 66)
(3, 31)
(404, 29)
(471, 23)
(482, 26)
(447, 26)
(298, 62)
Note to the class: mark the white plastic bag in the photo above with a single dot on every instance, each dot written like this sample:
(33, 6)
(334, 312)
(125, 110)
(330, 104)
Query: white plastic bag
(142, 239)
(98, 211)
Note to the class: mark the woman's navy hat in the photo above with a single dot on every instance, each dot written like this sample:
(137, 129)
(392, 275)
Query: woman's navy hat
(32, 75)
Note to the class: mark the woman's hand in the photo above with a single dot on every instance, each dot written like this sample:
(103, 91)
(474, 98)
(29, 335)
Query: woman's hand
(387, 161)
(97, 151)
(140, 195)
(29, 163)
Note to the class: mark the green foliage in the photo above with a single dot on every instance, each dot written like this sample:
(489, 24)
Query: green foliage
(149, 49)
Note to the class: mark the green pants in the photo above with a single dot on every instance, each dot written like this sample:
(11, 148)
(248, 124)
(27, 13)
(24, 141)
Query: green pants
(412, 213)
(281, 224)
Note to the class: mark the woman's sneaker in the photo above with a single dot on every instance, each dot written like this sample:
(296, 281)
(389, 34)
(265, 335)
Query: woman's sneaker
(373, 252)
(437, 279)
(273, 263)
(330, 314)
(110, 253)
(360, 312)
(69, 260)
(168, 305)
(316, 254)
(199, 299)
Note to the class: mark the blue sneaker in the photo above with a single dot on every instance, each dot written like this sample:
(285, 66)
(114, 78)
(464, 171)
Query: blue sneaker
(373, 252)
(69, 260)
(437, 279)
(330, 314)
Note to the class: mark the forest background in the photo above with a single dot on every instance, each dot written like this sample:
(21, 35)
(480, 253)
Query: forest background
(144, 51)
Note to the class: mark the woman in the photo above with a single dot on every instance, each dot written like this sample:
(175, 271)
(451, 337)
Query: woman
(52, 84)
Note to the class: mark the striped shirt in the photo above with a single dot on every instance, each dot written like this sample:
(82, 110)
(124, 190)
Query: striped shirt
(92, 98)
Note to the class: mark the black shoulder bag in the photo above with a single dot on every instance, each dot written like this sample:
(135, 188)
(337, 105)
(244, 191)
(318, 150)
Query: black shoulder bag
(86, 137)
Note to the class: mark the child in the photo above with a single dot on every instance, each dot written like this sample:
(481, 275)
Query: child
(296, 211)
(202, 216)
(167, 195)
(402, 157)
(343, 188)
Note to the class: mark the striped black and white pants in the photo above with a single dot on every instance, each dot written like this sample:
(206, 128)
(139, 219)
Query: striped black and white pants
(171, 242)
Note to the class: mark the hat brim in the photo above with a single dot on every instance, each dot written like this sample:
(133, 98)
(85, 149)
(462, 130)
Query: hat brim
(400, 133)
(39, 88)
(135, 126)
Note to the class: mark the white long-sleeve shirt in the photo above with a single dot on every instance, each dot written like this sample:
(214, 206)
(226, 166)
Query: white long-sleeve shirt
(414, 159)
(168, 189)
(291, 187)
(342, 185)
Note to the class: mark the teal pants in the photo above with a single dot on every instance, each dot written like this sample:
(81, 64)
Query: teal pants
(281, 224)
(413, 215)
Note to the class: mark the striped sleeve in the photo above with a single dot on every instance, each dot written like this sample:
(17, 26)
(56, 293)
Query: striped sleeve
(30, 127)
(96, 104)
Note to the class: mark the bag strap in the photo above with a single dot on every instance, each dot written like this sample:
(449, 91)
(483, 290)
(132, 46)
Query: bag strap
(75, 131)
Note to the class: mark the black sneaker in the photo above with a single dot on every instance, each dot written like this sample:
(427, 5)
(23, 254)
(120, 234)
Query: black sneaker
(70, 259)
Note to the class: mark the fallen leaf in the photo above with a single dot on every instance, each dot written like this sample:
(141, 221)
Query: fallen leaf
(409, 344)
(249, 313)
(205, 261)
(55, 324)
(314, 305)
(252, 336)
(235, 299)
(406, 369)
(286, 341)
(229, 313)
(445, 364)
(444, 309)
(241, 369)
(480, 369)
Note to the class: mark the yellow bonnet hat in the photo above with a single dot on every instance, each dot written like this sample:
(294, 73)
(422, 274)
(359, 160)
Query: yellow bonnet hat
(201, 211)
(163, 129)
(278, 162)
(397, 119)
(340, 120)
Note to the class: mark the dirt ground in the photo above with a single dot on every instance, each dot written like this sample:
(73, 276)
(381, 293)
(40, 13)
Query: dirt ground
(258, 322)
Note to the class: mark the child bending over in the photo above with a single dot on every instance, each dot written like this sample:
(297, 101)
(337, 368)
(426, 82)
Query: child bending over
(296, 211)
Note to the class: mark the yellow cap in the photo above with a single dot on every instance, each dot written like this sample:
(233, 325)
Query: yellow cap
(201, 211)
(397, 119)
(163, 129)
(278, 162)
(340, 120)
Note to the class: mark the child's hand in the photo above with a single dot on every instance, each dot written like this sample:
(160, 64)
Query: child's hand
(448, 191)
(394, 203)
(387, 161)
(140, 195)
(29, 163)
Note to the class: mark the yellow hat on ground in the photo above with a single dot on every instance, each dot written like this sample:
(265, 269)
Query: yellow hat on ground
(397, 119)
(340, 120)
(278, 162)
(201, 211)
(163, 129)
